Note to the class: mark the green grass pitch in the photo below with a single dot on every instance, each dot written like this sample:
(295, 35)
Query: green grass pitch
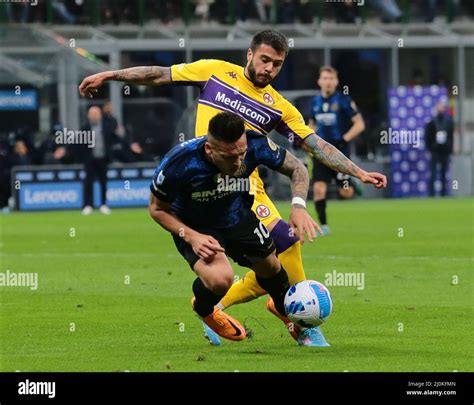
(114, 295)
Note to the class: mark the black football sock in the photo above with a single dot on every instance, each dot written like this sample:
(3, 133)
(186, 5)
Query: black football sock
(321, 210)
(276, 286)
(205, 299)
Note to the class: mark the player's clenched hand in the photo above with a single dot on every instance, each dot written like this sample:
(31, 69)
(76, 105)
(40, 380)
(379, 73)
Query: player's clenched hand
(377, 179)
(302, 223)
(205, 246)
(90, 84)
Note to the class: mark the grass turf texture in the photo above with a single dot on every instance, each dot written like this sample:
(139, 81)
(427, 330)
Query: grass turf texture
(148, 325)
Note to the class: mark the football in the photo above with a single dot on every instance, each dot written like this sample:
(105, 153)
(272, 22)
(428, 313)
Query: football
(308, 303)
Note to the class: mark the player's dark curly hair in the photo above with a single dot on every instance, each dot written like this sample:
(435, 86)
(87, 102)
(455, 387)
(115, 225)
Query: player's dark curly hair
(270, 37)
(226, 127)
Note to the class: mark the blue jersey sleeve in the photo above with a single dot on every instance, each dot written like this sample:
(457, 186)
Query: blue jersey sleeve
(162, 185)
(348, 106)
(268, 153)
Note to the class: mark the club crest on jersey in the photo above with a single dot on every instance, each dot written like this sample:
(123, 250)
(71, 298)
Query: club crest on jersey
(334, 107)
(263, 211)
(268, 99)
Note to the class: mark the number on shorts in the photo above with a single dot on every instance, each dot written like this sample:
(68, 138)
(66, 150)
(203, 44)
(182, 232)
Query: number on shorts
(262, 232)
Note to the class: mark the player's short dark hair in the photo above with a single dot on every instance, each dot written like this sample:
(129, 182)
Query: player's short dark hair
(327, 68)
(226, 127)
(270, 37)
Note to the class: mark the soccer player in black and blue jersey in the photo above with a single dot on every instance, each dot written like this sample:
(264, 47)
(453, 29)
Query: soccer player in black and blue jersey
(337, 120)
(200, 195)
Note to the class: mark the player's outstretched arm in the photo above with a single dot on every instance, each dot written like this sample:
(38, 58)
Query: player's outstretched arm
(147, 75)
(336, 160)
(300, 220)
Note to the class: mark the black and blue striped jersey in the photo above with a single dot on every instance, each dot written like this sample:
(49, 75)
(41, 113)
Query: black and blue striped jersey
(199, 195)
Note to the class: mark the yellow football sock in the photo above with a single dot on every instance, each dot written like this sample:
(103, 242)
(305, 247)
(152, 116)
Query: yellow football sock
(247, 288)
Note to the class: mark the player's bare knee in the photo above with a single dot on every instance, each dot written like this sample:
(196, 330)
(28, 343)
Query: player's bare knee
(221, 284)
(319, 191)
(318, 196)
(346, 193)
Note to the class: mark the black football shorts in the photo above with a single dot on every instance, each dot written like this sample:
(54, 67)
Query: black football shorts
(246, 243)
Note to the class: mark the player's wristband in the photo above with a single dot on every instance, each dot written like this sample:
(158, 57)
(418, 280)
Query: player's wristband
(299, 201)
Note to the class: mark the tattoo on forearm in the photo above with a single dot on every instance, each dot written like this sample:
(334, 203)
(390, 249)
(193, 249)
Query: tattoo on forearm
(144, 75)
(297, 172)
(330, 155)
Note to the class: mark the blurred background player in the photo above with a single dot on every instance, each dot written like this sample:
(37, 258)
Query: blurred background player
(336, 119)
(247, 92)
(209, 221)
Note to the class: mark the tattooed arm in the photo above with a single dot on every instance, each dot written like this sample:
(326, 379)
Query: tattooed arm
(300, 220)
(336, 160)
(149, 75)
(297, 172)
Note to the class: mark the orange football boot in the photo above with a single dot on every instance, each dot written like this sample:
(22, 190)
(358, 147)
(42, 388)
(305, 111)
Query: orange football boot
(223, 324)
(293, 329)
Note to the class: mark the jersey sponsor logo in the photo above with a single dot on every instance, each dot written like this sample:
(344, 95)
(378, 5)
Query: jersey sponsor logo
(210, 195)
(224, 97)
(326, 118)
(268, 99)
(247, 110)
(203, 195)
(262, 211)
